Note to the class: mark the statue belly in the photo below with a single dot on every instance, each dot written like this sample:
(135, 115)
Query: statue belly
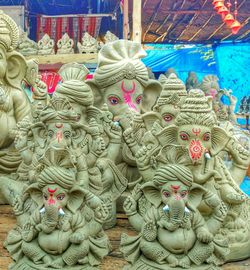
(54, 243)
(178, 241)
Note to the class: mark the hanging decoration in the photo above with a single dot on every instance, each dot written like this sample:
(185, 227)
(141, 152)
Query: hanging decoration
(229, 18)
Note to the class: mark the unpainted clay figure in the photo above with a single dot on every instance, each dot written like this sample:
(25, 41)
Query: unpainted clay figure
(192, 81)
(14, 103)
(26, 46)
(65, 229)
(88, 45)
(46, 45)
(198, 140)
(121, 81)
(172, 232)
(65, 45)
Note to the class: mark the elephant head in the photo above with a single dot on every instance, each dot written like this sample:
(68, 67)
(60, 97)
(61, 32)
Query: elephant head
(168, 105)
(170, 188)
(195, 129)
(121, 79)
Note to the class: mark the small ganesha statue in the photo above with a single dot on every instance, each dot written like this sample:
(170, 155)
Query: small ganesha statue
(65, 45)
(46, 45)
(173, 233)
(65, 229)
(89, 44)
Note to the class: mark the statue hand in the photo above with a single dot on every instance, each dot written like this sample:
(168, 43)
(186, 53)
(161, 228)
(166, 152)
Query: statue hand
(240, 154)
(113, 131)
(27, 232)
(221, 211)
(204, 236)
(40, 88)
(129, 137)
(18, 206)
(142, 157)
(77, 238)
(102, 212)
(150, 231)
(130, 206)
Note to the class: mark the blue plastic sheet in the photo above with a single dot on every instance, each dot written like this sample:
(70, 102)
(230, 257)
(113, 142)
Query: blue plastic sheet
(231, 63)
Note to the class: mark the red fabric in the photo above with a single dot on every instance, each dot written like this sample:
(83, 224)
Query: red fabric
(58, 28)
(47, 29)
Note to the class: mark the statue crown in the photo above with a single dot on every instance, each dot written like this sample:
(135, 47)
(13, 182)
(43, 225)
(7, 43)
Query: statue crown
(9, 32)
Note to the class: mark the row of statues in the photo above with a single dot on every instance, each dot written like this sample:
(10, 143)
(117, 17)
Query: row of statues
(68, 161)
(65, 45)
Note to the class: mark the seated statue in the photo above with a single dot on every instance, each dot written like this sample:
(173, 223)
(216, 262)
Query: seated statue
(172, 232)
(46, 45)
(14, 103)
(65, 45)
(26, 46)
(88, 45)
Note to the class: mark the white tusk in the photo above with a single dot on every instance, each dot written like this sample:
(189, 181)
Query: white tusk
(207, 155)
(61, 212)
(165, 208)
(42, 210)
(117, 123)
(187, 210)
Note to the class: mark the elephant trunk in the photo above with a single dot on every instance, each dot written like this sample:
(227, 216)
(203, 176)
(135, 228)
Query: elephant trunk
(176, 211)
(50, 219)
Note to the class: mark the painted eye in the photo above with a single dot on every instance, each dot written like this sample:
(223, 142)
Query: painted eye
(67, 134)
(60, 197)
(45, 196)
(184, 194)
(50, 133)
(166, 194)
(167, 117)
(206, 137)
(113, 100)
(184, 136)
(139, 99)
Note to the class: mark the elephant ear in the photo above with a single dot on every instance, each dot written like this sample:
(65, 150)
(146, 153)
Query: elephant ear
(152, 194)
(151, 94)
(76, 198)
(16, 69)
(168, 135)
(40, 132)
(35, 193)
(97, 93)
(219, 140)
(150, 118)
(195, 196)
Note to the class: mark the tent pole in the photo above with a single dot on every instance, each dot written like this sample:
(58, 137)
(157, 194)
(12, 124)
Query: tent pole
(125, 19)
(137, 29)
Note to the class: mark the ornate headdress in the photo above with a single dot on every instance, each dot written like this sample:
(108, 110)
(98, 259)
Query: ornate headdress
(173, 89)
(9, 33)
(120, 60)
(73, 85)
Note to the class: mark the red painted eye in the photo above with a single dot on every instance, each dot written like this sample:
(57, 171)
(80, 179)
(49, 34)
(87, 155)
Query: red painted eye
(168, 117)
(139, 99)
(184, 194)
(206, 136)
(60, 197)
(184, 136)
(166, 194)
(113, 100)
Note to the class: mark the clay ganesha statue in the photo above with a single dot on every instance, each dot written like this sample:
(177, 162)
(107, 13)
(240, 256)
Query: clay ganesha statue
(173, 233)
(65, 229)
(14, 103)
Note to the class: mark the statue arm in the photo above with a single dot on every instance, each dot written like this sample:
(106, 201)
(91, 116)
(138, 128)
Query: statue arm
(82, 176)
(21, 105)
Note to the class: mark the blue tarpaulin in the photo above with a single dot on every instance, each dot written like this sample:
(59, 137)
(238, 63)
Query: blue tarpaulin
(230, 62)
